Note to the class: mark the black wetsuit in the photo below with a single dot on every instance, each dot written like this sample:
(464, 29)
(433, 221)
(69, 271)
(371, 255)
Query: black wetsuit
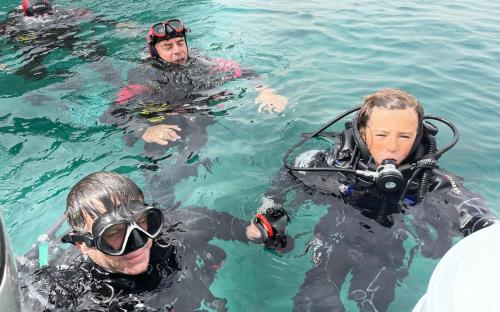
(181, 269)
(171, 94)
(359, 245)
(36, 37)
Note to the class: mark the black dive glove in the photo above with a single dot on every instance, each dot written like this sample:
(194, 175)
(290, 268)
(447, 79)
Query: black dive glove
(475, 223)
(272, 225)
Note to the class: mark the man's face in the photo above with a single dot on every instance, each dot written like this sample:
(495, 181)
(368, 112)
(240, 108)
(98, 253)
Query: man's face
(390, 133)
(132, 263)
(173, 50)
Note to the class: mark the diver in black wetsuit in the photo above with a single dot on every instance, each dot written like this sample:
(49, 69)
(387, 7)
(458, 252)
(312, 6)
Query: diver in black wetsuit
(38, 29)
(382, 184)
(169, 104)
(135, 257)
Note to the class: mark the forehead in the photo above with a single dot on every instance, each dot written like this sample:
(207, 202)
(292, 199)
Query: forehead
(117, 211)
(170, 41)
(403, 119)
(89, 219)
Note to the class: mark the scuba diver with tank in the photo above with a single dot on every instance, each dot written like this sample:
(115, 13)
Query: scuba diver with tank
(382, 185)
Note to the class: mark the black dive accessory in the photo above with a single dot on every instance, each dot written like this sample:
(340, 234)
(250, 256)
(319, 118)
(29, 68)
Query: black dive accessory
(272, 225)
(36, 7)
(121, 232)
(387, 177)
(476, 223)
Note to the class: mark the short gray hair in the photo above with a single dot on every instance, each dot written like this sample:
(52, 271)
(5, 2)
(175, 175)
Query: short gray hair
(107, 188)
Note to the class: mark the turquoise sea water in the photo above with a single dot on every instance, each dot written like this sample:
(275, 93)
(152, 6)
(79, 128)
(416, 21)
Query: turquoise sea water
(323, 55)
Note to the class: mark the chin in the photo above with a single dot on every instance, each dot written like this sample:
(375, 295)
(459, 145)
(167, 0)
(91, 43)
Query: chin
(181, 61)
(136, 269)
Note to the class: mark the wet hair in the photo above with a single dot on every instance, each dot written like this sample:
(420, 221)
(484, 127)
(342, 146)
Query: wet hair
(389, 99)
(108, 189)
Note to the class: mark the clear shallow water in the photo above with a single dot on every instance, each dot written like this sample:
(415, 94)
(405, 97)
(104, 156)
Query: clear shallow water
(323, 56)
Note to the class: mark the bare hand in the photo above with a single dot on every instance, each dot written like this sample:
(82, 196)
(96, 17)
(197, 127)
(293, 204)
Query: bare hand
(269, 100)
(161, 134)
(253, 233)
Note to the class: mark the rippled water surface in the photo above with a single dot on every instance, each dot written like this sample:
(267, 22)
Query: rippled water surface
(323, 55)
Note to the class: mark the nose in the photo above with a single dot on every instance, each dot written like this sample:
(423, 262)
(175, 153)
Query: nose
(392, 144)
(176, 49)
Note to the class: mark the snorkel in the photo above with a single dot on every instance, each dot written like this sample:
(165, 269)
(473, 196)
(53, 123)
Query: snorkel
(388, 176)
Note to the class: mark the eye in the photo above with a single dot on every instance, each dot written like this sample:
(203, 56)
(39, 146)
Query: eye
(142, 220)
(113, 234)
(381, 135)
(405, 136)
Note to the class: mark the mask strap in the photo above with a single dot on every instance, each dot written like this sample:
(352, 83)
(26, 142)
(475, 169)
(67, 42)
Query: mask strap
(78, 237)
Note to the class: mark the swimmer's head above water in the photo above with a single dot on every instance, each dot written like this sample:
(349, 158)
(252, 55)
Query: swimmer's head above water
(389, 138)
(110, 222)
(167, 42)
(36, 7)
(390, 124)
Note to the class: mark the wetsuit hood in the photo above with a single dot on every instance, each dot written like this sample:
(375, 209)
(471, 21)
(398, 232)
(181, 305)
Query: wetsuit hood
(36, 7)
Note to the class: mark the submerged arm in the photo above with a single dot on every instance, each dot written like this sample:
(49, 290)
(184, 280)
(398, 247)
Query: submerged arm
(446, 211)
(202, 224)
(268, 99)
(472, 211)
(287, 180)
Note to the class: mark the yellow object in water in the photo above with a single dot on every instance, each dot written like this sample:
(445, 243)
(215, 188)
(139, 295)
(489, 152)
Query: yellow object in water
(26, 37)
(156, 119)
(154, 108)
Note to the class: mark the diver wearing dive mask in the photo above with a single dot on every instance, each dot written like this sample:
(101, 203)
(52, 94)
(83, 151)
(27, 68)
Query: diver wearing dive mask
(116, 235)
(129, 256)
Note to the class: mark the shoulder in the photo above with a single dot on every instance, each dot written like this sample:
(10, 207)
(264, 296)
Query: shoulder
(144, 68)
(310, 159)
(57, 287)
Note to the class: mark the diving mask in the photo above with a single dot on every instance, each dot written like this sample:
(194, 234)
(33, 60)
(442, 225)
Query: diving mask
(166, 30)
(116, 235)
